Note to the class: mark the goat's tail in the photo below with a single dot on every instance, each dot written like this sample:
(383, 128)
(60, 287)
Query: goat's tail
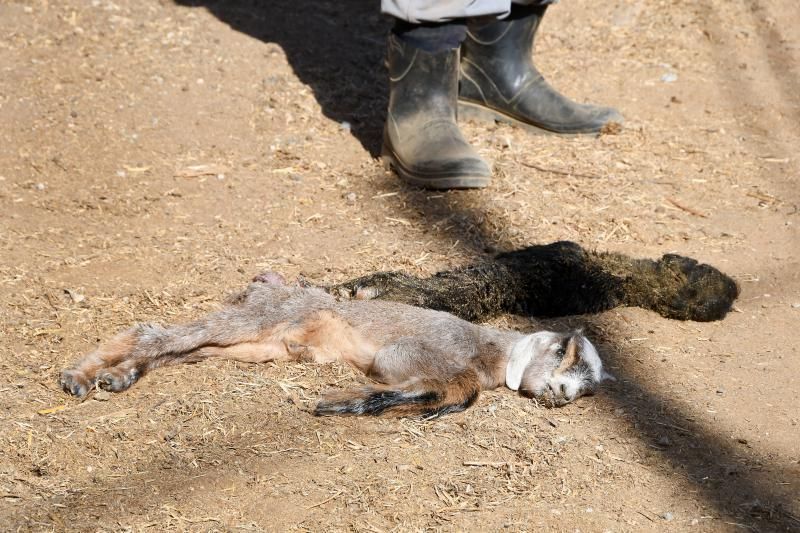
(428, 398)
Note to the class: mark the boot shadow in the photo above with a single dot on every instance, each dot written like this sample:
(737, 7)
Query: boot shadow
(336, 48)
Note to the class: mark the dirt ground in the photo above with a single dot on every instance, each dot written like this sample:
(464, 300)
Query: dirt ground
(155, 155)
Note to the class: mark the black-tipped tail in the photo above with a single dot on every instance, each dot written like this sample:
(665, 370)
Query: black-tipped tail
(429, 398)
(373, 401)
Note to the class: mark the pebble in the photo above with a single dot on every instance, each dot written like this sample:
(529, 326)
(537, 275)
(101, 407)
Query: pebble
(667, 516)
(669, 77)
(345, 125)
(102, 396)
(75, 296)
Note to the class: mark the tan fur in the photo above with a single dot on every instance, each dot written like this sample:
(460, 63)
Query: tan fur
(247, 352)
(328, 338)
(570, 357)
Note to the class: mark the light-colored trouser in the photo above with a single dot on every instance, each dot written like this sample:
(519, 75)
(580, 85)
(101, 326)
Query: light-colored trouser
(418, 11)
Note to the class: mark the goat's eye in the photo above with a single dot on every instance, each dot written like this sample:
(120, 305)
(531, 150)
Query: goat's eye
(561, 352)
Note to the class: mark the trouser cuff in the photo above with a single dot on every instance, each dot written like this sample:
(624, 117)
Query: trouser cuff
(431, 37)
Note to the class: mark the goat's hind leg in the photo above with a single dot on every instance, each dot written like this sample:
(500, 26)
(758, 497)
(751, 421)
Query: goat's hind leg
(118, 363)
(82, 377)
(419, 382)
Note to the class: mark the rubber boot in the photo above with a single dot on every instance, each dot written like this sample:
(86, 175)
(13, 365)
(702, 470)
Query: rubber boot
(421, 139)
(499, 80)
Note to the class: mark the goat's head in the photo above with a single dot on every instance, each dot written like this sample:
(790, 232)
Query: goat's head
(555, 368)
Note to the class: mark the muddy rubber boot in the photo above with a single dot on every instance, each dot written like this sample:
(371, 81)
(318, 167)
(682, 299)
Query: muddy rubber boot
(421, 139)
(499, 80)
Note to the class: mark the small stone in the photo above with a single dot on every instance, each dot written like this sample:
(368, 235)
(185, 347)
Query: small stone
(102, 396)
(350, 197)
(611, 128)
(667, 516)
(40, 186)
(669, 77)
(344, 125)
(694, 521)
(663, 440)
(76, 297)
(720, 391)
(796, 306)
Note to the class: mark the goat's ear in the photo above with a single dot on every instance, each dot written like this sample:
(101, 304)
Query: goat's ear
(605, 376)
(521, 356)
(514, 372)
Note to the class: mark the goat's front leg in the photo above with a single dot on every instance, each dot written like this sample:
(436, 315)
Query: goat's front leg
(559, 279)
(473, 293)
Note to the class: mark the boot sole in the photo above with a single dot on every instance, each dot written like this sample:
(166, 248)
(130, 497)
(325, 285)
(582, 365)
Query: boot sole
(391, 162)
(472, 111)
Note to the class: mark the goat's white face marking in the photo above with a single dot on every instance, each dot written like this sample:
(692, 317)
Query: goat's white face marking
(554, 367)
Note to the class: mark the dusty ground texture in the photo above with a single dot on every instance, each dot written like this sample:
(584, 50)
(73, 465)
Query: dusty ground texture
(155, 155)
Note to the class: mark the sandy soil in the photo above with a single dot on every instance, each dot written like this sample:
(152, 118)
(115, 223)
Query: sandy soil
(155, 155)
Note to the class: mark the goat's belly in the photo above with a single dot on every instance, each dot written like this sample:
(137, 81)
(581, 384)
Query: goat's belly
(324, 337)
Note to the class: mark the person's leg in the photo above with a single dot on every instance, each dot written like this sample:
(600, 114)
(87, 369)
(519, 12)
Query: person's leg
(421, 139)
(436, 11)
(499, 80)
